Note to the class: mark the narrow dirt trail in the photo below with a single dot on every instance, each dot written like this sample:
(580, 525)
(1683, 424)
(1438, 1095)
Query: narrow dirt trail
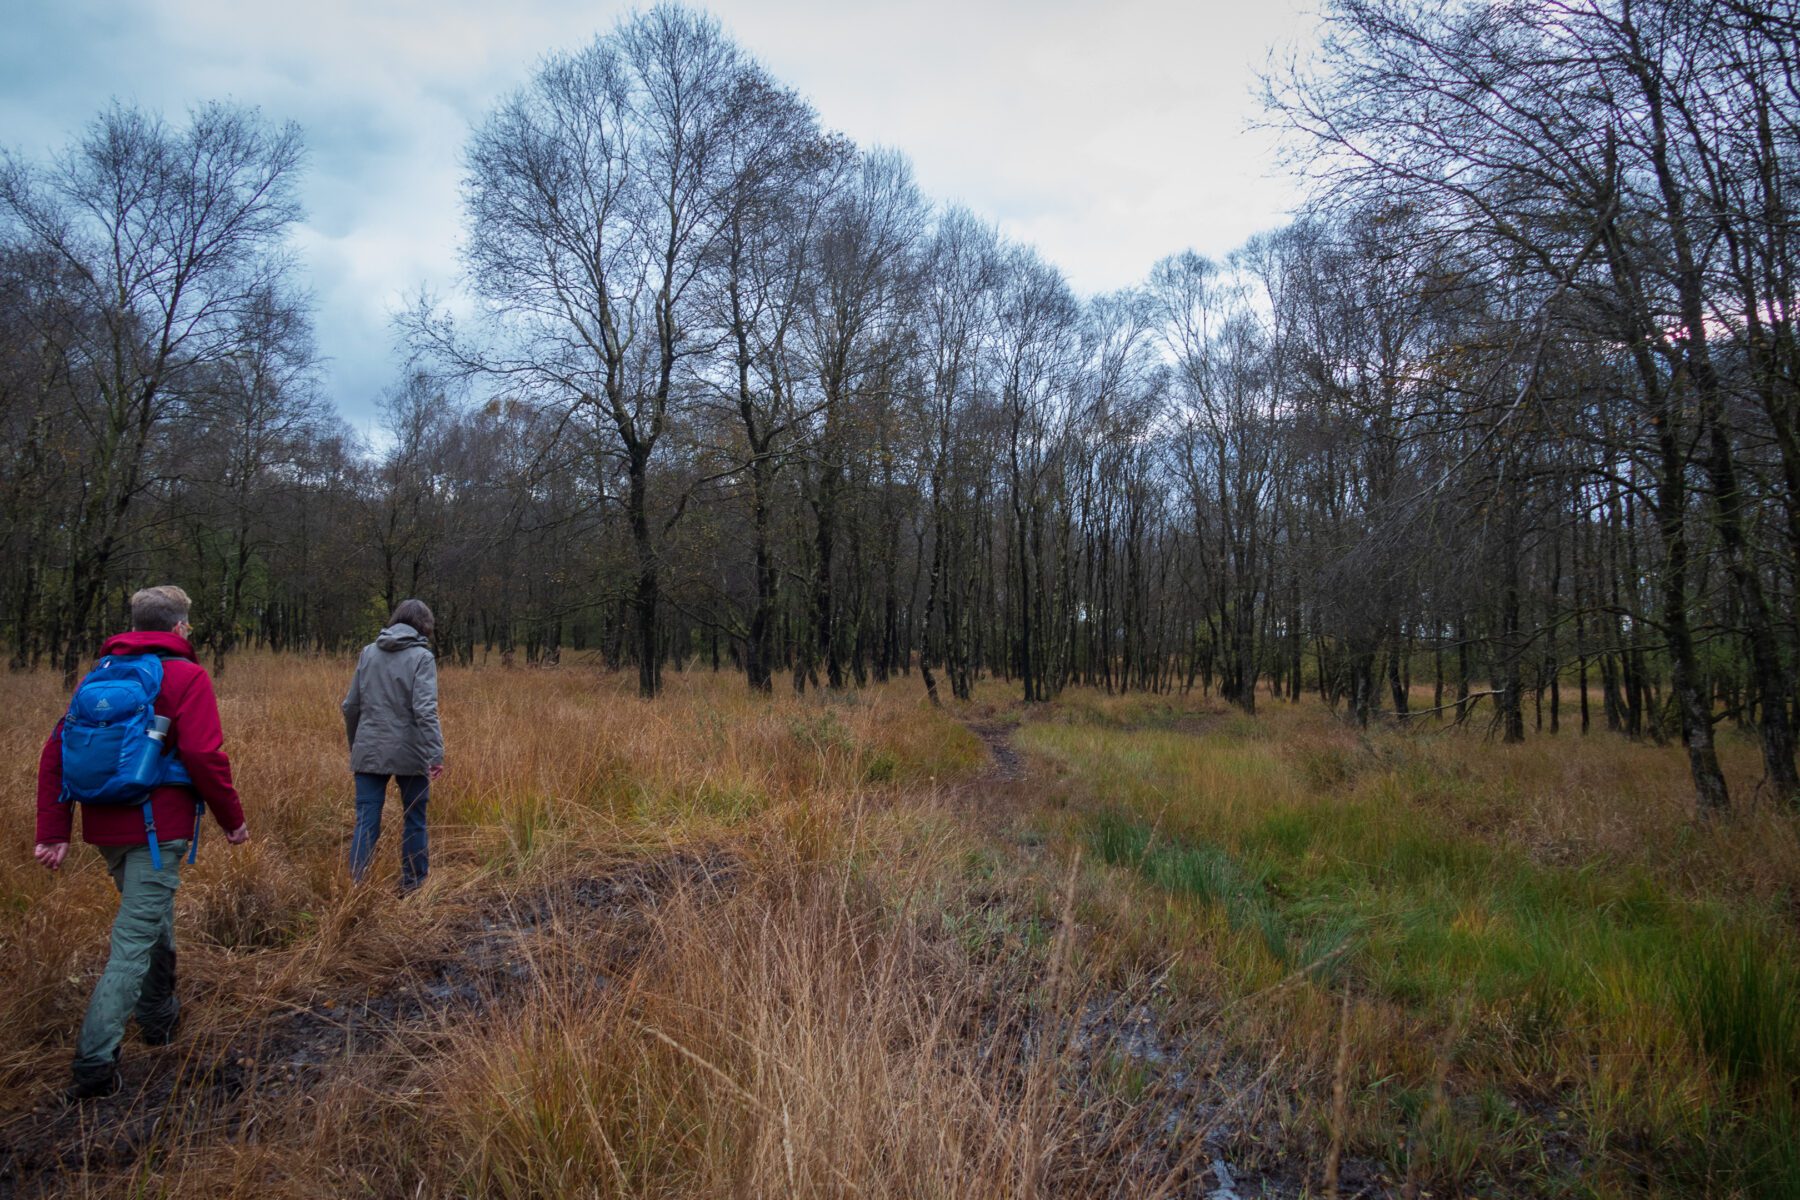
(1200, 1103)
(231, 1084)
(1005, 763)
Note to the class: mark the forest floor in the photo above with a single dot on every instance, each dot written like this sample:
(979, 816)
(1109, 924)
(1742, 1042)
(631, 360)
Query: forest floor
(1132, 946)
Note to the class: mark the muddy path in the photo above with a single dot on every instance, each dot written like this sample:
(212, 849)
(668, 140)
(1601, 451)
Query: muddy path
(1207, 1112)
(1005, 763)
(229, 1083)
(1205, 1117)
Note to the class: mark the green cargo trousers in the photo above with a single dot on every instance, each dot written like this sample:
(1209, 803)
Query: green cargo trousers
(140, 973)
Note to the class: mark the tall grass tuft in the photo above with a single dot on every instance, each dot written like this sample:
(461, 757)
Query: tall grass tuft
(1203, 873)
(1745, 1007)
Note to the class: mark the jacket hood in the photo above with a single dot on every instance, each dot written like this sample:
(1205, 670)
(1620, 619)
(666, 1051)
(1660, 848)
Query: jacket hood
(143, 642)
(401, 637)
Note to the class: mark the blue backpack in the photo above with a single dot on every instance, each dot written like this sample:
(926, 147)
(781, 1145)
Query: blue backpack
(112, 749)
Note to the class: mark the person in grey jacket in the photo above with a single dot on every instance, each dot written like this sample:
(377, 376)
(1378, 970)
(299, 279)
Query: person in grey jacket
(391, 718)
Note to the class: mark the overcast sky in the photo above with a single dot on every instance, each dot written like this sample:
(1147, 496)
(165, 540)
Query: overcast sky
(1105, 135)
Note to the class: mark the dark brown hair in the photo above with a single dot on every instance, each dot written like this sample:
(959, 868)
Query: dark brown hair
(415, 613)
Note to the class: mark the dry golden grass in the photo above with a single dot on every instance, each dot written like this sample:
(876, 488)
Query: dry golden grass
(818, 1022)
(871, 971)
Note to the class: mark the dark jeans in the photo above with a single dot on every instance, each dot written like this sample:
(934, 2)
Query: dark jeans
(415, 853)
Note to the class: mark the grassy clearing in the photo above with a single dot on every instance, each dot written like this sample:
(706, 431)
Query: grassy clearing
(1548, 961)
(1444, 963)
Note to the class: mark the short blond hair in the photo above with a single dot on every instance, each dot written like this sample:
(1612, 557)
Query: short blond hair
(159, 609)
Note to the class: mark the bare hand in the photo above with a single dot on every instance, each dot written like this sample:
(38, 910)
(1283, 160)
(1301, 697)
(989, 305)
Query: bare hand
(52, 854)
(435, 771)
(240, 835)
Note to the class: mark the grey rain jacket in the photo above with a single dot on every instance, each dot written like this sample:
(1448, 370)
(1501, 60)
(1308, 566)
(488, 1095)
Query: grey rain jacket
(391, 713)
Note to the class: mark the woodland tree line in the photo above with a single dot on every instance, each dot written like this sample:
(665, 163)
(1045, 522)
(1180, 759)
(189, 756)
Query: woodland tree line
(1512, 412)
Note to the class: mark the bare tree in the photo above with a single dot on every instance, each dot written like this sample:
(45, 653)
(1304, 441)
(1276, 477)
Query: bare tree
(1036, 348)
(785, 174)
(250, 420)
(170, 237)
(594, 196)
(1231, 444)
(1550, 137)
(856, 299)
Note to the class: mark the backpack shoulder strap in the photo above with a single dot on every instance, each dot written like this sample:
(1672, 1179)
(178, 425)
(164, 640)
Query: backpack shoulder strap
(162, 658)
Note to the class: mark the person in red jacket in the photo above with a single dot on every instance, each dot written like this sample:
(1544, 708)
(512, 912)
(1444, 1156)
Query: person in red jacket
(140, 971)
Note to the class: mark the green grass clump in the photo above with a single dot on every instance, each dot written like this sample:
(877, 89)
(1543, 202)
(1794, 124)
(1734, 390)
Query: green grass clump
(1203, 873)
(1745, 1007)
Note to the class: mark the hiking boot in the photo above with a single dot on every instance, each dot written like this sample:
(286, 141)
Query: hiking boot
(160, 1033)
(93, 1085)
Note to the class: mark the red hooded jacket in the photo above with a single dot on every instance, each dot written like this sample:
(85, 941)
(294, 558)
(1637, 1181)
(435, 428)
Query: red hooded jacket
(187, 700)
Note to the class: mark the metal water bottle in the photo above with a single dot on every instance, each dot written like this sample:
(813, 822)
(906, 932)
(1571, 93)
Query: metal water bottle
(147, 769)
